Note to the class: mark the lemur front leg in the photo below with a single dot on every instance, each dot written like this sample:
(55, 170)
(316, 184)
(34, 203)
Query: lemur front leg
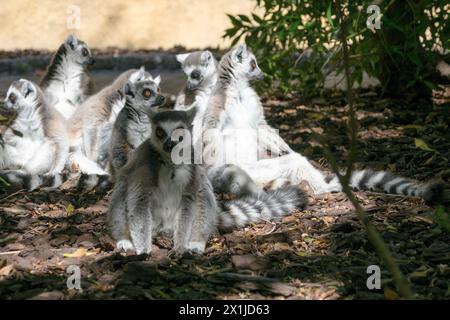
(140, 220)
(184, 223)
(61, 155)
(117, 217)
(205, 215)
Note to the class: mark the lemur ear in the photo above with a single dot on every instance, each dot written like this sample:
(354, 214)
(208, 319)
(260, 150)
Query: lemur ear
(190, 114)
(206, 57)
(182, 57)
(127, 89)
(72, 41)
(157, 80)
(240, 51)
(138, 75)
(27, 88)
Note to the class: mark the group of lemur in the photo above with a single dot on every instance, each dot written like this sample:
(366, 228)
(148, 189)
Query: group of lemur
(120, 135)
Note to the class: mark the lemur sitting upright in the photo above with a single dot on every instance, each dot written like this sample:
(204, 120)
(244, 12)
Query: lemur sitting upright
(154, 194)
(234, 108)
(34, 147)
(91, 126)
(201, 69)
(66, 82)
(133, 126)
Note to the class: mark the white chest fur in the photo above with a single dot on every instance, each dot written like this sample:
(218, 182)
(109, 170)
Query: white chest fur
(166, 207)
(239, 125)
(30, 150)
(64, 92)
(201, 103)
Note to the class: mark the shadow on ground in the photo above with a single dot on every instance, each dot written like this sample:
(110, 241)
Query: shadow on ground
(322, 253)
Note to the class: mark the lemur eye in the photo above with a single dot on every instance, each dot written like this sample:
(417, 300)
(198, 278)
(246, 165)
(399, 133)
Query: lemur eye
(147, 93)
(84, 52)
(160, 132)
(253, 64)
(12, 98)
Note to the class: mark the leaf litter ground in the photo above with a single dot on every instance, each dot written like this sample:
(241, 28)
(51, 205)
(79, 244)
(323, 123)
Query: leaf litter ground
(321, 253)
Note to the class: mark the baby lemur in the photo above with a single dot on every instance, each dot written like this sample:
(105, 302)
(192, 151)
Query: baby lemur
(154, 194)
(34, 147)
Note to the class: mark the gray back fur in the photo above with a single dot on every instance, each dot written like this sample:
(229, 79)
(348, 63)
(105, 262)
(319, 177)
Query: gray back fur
(132, 126)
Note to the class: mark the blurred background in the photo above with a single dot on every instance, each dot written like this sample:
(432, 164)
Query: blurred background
(138, 24)
(396, 45)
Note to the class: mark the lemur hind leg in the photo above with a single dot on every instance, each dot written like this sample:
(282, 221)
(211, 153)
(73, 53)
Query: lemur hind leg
(232, 179)
(293, 167)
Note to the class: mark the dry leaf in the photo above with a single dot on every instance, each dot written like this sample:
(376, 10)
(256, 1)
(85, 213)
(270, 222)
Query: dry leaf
(70, 208)
(422, 145)
(5, 271)
(81, 252)
(390, 294)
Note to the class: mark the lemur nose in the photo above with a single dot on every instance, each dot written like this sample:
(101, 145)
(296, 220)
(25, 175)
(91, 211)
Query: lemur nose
(12, 98)
(195, 75)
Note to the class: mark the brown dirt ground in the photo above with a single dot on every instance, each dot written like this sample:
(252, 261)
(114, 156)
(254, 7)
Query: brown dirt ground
(321, 253)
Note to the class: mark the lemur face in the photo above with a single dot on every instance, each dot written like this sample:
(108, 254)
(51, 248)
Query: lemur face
(144, 91)
(78, 51)
(21, 94)
(245, 64)
(199, 66)
(170, 128)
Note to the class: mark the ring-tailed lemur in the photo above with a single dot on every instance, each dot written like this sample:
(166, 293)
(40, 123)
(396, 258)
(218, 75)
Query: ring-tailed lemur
(92, 124)
(234, 107)
(34, 147)
(201, 69)
(132, 126)
(66, 82)
(152, 195)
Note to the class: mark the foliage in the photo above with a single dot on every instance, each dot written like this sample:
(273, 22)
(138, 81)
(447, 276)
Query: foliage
(4, 182)
(394, 53)
(442, 218)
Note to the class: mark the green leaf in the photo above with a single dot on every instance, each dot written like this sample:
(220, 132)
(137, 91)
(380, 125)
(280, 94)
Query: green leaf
(423, 145)
(70, 208)
(4, 182)
(236, 22)
(442, 218)
(330, 21)
(244, 18)
(257, 18)
(414, 126)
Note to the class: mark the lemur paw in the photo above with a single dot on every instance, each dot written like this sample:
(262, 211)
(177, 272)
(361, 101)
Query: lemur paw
(196, 247)
(124, 245)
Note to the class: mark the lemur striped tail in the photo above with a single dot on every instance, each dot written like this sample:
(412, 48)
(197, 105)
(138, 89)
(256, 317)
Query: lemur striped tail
(18, 179)
(388, 182)
(275, 203)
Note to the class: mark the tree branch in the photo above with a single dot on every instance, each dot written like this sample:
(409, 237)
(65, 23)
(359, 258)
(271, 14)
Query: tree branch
(372, 233)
